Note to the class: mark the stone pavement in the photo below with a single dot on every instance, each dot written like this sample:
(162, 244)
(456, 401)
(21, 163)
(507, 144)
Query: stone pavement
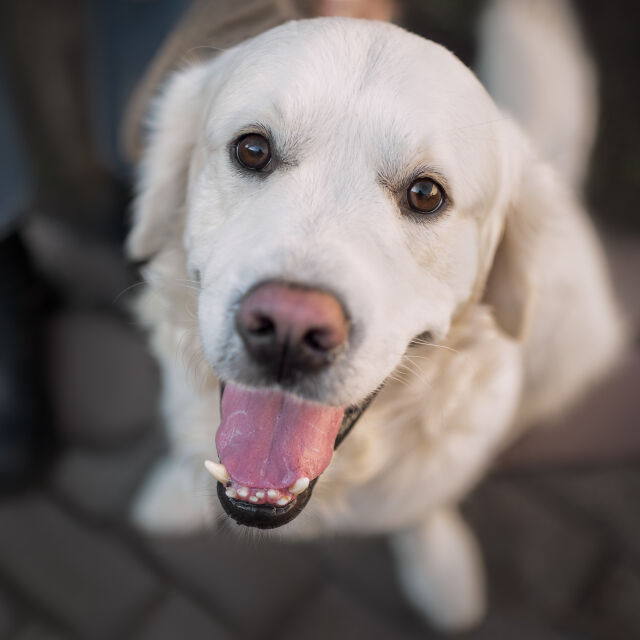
(562, 543)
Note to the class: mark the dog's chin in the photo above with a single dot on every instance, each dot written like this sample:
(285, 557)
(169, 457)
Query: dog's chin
(256, 487)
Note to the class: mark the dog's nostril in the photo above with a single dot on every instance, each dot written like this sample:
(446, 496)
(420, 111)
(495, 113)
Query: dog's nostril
(261, 325)
(319, 340)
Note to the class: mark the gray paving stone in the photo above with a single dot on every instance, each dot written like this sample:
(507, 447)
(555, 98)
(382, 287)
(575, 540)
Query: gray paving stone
(103, 382)
(615, 609)
(538, 559)
(7, 617)
(247, 583)
(364, 566)
(501, 626)
(333, 613)
(101, 483)
(36, 631)
(79, 576)
(176, 618)
(608, 496)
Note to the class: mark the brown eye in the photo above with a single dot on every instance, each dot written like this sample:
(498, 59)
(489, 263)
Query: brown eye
(253, 151)
(425, 196)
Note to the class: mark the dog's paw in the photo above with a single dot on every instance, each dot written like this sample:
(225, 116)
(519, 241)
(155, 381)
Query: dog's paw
(441, 571)
(174, 500)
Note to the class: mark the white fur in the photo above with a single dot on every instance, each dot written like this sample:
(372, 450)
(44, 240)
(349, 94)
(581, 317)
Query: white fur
(534, 64)
(509, 281)
(441, 570)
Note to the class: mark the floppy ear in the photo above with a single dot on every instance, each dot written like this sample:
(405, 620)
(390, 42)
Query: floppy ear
(540, 211)
(162, 184)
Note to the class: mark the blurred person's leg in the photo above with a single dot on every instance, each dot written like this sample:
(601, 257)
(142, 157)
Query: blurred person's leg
(44, 46)
(48, 165)
(123, 38)
(21, 400)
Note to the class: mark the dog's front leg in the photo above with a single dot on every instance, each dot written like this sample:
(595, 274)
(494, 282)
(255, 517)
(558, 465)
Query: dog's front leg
(178, 497)
(438, 558)
(440, 569)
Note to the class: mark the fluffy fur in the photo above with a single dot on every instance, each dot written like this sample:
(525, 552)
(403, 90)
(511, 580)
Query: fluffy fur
(506, 287)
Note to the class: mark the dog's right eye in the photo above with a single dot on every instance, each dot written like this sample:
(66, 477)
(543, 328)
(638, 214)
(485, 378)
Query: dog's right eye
(253, 151)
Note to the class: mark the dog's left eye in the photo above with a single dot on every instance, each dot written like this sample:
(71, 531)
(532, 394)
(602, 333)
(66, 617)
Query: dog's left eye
(425, 196)
(253, 151)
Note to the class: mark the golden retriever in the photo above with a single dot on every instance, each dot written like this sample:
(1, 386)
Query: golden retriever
(340, 222)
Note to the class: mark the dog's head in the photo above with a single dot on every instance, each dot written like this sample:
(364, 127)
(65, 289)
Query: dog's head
(340, 187)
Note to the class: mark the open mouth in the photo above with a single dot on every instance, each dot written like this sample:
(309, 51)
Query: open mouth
(273, 446)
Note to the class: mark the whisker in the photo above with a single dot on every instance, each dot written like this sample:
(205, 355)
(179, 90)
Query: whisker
(419, 342)
(411, 368)
(127, 289)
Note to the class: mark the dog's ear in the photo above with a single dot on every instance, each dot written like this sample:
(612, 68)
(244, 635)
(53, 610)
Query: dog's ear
(162, 185)
(535, 216)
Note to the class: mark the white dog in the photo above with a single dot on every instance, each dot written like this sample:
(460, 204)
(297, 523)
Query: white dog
(336, 214)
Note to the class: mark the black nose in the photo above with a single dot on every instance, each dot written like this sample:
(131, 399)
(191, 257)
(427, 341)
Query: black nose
(291, 329)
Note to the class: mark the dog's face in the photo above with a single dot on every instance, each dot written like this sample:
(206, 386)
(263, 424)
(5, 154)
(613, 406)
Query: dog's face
(363, 124)
(348, 169)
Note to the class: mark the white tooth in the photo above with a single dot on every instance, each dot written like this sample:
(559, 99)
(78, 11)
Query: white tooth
(260, 494)
(231, 492)
(253, 499)
(217, 470)
(243, 491)
(273, 493)
(282, 502)
(299, 486)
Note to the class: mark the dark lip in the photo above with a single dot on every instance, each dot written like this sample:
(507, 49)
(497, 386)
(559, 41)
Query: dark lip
(266, 516)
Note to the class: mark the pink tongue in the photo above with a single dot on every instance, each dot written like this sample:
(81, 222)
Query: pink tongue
(269, 439)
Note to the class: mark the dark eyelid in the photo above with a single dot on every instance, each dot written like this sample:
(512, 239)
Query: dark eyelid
(400, 183)
(427, 172)
(251, 129)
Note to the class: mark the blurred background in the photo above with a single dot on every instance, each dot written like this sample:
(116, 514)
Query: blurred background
(558, 519)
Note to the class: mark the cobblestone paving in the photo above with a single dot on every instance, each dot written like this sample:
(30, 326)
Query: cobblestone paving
(562, 552)
(562, 545)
